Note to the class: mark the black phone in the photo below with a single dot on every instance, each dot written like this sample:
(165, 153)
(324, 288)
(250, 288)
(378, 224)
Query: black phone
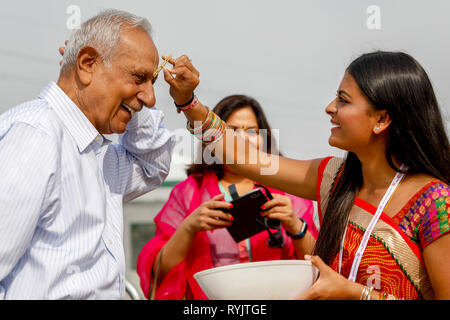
(248, 220)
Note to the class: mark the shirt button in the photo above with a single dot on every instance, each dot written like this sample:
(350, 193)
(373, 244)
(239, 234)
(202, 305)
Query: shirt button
(110, 242)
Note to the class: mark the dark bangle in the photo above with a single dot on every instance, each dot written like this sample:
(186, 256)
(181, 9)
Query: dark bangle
(186, 104)
(302, 232)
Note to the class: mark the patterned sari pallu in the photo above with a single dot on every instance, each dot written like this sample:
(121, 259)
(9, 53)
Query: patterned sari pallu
(392, 262)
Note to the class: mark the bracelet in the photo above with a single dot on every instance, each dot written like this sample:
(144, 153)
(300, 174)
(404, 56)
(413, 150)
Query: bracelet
(386, 296)
(184, 105)
(365, 294)
(187, 106)
(392, 297)
(212, 129)
(302, 232)
(382, 296)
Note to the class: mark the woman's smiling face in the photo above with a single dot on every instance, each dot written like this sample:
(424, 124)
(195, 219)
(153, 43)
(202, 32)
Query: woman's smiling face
(353, 118)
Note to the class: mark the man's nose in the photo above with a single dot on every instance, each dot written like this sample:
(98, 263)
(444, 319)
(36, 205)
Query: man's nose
(147, 94)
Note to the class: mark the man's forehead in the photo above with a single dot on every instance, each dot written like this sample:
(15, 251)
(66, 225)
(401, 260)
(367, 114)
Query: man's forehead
(137, 46)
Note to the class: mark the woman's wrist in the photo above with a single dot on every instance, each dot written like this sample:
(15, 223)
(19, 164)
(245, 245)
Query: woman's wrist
(355, 290)
(188, 228)
(182, 100)
(361, 292)
(295, 226)
(197, 113)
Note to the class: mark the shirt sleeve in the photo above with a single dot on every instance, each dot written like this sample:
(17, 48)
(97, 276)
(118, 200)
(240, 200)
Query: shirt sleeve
(146, 147)
(27, 171)
(435, 212)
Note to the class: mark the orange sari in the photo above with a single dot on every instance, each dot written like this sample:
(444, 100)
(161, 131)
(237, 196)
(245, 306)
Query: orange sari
(393, 261)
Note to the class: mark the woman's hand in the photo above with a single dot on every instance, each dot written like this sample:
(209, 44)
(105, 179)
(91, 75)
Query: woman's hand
(330, 285)
(183, 78)
(280, 208)
(208, 216)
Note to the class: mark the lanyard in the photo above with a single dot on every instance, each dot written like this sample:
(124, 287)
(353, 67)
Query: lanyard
(362, 247)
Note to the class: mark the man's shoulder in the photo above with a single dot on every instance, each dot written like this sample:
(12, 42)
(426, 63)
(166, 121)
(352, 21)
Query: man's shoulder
(36, 113)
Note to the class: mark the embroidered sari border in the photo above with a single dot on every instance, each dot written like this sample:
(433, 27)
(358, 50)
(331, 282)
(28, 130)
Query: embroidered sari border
(321, 170)
(401, 213)
(329, 175)
(384, 217)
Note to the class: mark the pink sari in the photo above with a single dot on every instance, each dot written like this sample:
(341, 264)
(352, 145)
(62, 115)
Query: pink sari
(209, 249)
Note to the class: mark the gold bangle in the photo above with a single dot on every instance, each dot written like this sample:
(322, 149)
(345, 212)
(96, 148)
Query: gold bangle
(210, 130)
(369, 293)
(366, 292)
(363, 293)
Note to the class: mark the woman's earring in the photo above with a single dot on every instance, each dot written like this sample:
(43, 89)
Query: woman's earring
(377, 127)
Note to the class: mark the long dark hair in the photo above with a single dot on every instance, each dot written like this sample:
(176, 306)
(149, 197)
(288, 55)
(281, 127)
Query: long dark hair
(396, 82)
(224, 109)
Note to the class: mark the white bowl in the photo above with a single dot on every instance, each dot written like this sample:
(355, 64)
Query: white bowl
(265, 280)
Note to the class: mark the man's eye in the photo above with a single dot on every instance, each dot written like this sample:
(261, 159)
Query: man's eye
(139, 78)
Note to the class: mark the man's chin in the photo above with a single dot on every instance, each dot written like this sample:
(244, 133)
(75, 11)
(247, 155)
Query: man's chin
(119, 130)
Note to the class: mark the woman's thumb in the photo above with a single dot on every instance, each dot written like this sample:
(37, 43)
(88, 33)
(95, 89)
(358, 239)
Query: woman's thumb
(316, 261)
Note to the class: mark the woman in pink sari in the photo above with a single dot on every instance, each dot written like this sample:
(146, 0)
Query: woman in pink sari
(190, 228)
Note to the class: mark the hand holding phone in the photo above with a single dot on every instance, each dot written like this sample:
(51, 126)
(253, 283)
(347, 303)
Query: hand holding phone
(248, 220)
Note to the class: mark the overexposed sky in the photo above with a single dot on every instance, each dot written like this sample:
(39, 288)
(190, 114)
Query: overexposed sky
(288, 54)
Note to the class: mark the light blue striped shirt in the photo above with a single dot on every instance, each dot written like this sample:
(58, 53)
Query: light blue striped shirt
(62, 188)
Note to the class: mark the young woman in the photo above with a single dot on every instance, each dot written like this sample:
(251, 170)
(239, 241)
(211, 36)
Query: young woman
(385, 207)
(189, 237)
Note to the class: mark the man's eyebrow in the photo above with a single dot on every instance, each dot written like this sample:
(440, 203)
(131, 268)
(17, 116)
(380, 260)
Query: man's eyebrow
(141, 72)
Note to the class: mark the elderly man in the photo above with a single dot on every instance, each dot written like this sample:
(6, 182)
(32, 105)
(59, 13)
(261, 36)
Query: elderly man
(63, 183)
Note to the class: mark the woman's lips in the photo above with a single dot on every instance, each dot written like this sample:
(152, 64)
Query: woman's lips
(334, 125)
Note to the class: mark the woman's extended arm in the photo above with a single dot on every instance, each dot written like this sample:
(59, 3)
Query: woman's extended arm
(296, 177)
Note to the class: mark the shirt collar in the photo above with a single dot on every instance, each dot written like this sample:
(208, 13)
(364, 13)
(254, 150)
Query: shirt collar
(79, 126)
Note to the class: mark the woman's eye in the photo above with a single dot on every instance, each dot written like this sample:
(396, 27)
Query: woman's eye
(252, 132)
(340, 99)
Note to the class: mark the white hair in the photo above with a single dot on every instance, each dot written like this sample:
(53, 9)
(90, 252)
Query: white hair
(101, 32)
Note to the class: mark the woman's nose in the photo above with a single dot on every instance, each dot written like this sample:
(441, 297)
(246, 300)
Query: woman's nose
(331, 107)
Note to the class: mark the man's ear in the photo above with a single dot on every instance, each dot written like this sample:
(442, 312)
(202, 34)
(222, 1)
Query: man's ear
(383, 122)
(87, 60)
